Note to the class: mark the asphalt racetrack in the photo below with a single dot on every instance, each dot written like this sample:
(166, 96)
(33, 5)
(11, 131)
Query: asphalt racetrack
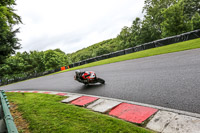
(169, 80)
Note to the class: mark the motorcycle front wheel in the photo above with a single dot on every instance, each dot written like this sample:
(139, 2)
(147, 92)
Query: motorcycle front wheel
(101, 81)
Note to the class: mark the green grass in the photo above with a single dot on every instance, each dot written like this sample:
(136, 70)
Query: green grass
(46, 114)
(192, 44)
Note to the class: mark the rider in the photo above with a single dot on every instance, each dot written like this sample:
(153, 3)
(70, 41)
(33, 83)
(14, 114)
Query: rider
(85, 76)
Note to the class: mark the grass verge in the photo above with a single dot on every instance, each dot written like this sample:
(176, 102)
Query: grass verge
(45, 113)
(191, 44)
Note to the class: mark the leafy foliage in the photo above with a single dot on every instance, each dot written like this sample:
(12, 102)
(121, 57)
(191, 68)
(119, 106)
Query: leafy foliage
(174, 17)
(8, 40)
(195, 21)
(25, 64)
(54, 59)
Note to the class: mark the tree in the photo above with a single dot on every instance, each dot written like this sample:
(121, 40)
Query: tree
(124, 38)
(54, 59)
(37, 61)
(195, 21)
(175, 21)
(58, 50)
(101, 50)
(8, 40)
(191, 7)
(13, 67)
(27, 61)
(151, 27)
(135, 32)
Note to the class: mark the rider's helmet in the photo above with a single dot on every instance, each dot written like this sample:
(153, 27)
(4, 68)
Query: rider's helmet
(77, 71)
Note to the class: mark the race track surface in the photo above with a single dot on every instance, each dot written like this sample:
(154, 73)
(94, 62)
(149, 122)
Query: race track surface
(169, 80)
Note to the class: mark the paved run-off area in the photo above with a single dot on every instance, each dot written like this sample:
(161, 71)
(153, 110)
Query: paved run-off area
(157, 119)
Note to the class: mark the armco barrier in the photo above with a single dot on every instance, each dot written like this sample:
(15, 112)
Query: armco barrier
(105, 56)
(157, 43)
(82, 62)
(128, 50)
(139, 48)
(7, 124)
(149, 45)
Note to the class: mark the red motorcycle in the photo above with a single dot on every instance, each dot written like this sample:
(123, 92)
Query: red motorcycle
(87, 77)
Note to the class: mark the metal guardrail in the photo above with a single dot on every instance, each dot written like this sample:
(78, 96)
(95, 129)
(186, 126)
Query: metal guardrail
(157, 43)
(7, 124)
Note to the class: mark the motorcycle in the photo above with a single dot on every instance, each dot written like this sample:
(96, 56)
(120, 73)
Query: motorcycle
(87, 77)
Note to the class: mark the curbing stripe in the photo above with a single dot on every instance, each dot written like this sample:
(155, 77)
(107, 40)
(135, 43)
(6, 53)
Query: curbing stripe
(183, 124)
(46, 92)
(61, 94)
(84, 100)
(152, 106)
(132, 113)
(102, 105)
(35, 92)
(71, 98)
(131, 102)
(54, 92)
(160, 120)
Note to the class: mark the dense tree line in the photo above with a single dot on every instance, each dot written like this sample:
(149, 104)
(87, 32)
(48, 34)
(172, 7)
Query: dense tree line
(162, 18)
(25, 64)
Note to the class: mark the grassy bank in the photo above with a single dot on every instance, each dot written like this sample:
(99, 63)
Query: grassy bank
(46, 114)
(192, 44)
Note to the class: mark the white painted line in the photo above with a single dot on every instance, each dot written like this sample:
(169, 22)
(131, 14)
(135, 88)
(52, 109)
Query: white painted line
(102, 105)
(160, 120)
(183, 124)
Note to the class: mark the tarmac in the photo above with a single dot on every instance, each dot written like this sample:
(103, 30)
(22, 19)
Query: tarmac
(159, 119)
